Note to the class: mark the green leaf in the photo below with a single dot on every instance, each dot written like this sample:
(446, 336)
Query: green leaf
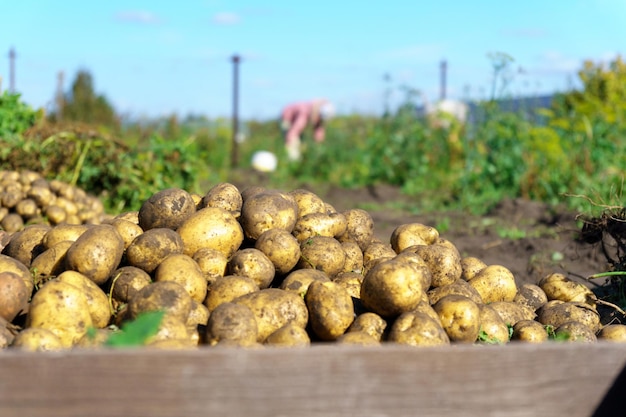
(138, 331)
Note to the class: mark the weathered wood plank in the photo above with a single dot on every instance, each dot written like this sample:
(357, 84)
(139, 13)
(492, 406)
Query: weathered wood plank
(327, 380)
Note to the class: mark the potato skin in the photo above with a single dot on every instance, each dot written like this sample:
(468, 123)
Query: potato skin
(226, 196)
(613, 333)
(512, 312)
(370, 323)
(529, 331)
(167, 208)
(417, 329)
(323, 253)
(27, 244)
(411, 234)
(63, 232)
(530, 295)
(319, 224)
(96, 253)
(495, 283)
(460, 318)
(330, 307)
(290, 335)
(233, 323)
(211, 227)
(61, 308)
(181, 268)
(443, 261)
(557, 286)
(52, 261)
(167, 296)
(152, 246)
(575, 331)
(470, 266)
(281, 247)
(37, 339)
(253, 263)
(561, 313)
(267, 210)
(492, 326)
(273, 308)
(126, 281)
(307, 202)
(360, 227)
(97, 300)
(391, 288)
(459, 287)
(14, 295)
(9, 264)
(227, 289)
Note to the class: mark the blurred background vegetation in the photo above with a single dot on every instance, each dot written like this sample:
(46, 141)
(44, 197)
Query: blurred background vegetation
(575, 147)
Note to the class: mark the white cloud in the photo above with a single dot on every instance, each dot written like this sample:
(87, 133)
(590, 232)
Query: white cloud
(137, 16)
(525, 32)
(226, 18)
(555, 63)
(422, 52)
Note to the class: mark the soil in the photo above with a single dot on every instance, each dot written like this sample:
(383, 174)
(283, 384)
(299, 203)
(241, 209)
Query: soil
(530, 238)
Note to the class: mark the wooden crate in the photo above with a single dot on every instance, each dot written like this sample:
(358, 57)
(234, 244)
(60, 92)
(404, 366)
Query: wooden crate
(551, 379)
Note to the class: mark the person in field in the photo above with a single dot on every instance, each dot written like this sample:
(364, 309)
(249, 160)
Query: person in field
(297, 116)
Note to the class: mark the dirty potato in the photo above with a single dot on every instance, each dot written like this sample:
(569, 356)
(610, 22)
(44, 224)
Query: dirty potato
(281, 247)
(529, 331)
(228, 288)
(212, 263)
(252, 263)
(167, 296)
(97, 300)
(26, 244)
(391, 288)
(512, 312)
(290, 335)
(266, 210)
(351, 282)
(226, 196)
(14, 295)
(557, 286)
(307, 202)
(460, 318)
(323, 253)
(492, 328)
(211, 227)
(411, 234)
(182, 269)
(8, 264)
(613, 333)
(459, 287)
(168, 208)
(470, 266)
(234, 323)
(495, 283)
(330, 308)
(530, 295)
(418, 329)
(298, 281)
(151, 247)
(36, 339)
(126, 281)
(558, 314)
(360, 227)
(444, 262)
(319, 224)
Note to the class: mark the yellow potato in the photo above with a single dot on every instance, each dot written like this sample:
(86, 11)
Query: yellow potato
(323, 253)
(558, 314)
(391, 288)
(307, 202)
(444, 262)
(492, 328)
(213, 228)
(495, 283)
(299, 280)
(613, 333)
(531, 295)
(97, 300)
(63, 232)
(266, 210)
(418, 329)
(8, 264)
(281, 247)
(290, 335)
(529, 331)
(168, 208)
(460, 318)
(253, 263)
(459, 287)
(360, 227)
(212, 263)
(61, 308)
(36, 339)
(512, 312)
(319, 224)
(273, 308)
(233, 323)
(351, 282)
(375, 252)
(354, 257)
(357, 338)
(126, 281)
(127, 230)
(558, 287)
(151, 247)
(330, 308)
(575, 331)
(52, 261)
(14, 296)
(27, 244)
(369, 323)
(471, 266)
(167, 296)
(225, 196)
(96, 253)
(411, 234)
(228, 288)
(182, 269)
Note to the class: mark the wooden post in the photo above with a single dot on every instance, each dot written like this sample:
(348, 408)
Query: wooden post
(12, 70)
(443, 73)
(234, 161)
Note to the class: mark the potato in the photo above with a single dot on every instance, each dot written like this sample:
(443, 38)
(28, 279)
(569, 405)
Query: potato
(26, 244)
(319, 224)
(298, 281)
(575, 331)
(8, 264)
(127, 230)
(199, 315)
(323, 253)
(350, 281)
(412, 234)
(151, 247)
(307, 202)
(418, 329)
(357, 338)
(252, 263)
(12, 223)
(558, 314)
(530, 295)
(171, 329)
(512, 312)
(131, 216)
(273, 308)
(227, 289)
(167, 296)
(266, 210)
(55, 214)
(391, 288)
(495, 283)
(61, 308)
(96, 253)
(613, 333)
(233, 323)
(92, 340)
(492, 328)
(459, 287)
(281, 247)
(6, 336)
(460, 318)
(376, 252)
(425, 307)
(127, 281)
(168, 208)
(225, 196)
(63, 232)
(52, 261)
(14, 295)
(558, 287)
(369, 323)
(36, 339)
(182, 269)
(41, 194)
(360, 227)
(354, 257)
(213, 228)
(97, 300)
(529, 331)
(420, 264)
(248, 192)
(470, 266)
(444, 262)
(330, 308)
(28, 209)
(290, 335)
(212, 263)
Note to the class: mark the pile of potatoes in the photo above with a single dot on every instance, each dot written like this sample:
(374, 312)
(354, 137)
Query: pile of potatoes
(263, 267)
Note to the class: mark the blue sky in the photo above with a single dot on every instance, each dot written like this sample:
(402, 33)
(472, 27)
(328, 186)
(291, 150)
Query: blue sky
(153, 58)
